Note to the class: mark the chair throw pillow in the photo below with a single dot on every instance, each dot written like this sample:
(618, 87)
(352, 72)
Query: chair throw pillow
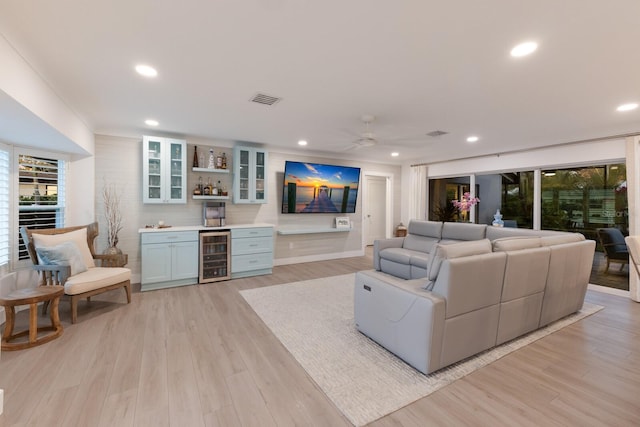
(79, 237)
(66, 253)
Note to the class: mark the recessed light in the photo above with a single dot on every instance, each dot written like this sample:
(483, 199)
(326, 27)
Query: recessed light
(549, 174)
(627, 107)
(395, 154)
(146, 70)
(302, 142)
(524, 49)
(151, 122)
(473, 139)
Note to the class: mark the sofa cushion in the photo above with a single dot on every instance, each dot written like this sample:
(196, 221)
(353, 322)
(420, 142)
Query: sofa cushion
(79, 237)
(420, 260)
(456, 250)
(416, 242)
(66, 253)
(516, 243)
(403, 256)
(561, 239)
(96, 278)
(425, 228)
(463, 231)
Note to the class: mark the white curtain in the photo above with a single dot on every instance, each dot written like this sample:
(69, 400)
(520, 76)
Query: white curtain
(418, 203)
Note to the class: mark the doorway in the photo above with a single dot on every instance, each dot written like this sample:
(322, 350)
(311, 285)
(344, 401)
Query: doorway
(376, 208)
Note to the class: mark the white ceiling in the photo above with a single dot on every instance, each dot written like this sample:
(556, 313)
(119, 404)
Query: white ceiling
(418, 66)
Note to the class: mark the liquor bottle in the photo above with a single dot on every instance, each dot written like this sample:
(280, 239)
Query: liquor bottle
(214, 192)
(219, 161)
(195, 157)
(224, 160)
(212, 160)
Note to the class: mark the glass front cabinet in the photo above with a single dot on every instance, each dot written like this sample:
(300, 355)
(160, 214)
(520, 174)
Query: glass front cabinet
(250, 169)
(164, 170)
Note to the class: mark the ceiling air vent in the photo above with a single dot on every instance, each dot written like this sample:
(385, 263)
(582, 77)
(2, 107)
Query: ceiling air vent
(437, 133)
(261, 98)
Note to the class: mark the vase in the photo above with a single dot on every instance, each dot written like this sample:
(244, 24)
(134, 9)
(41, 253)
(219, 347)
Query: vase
(463, 216)
(112, 250)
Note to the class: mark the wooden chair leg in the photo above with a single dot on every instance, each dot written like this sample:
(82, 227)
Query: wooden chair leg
(127, 289)
(74, 309)
(606, 269)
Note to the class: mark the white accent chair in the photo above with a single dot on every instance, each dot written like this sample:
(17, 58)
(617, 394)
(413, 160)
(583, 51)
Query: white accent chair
(66, 256)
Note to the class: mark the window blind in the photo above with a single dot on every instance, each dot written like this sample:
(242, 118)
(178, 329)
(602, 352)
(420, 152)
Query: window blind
(4, 208)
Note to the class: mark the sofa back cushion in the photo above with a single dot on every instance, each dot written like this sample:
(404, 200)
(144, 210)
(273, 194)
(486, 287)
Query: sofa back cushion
(561, 239)
(415, 242)
(425, 228)
(455, 250)
(516, 243)
(463, 231)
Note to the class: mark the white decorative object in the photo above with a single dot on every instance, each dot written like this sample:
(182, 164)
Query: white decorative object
(343, 222)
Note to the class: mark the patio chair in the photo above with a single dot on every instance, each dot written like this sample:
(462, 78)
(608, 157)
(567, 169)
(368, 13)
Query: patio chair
(614, 246)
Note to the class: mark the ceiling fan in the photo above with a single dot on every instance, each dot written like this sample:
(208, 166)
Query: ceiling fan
(366, 138)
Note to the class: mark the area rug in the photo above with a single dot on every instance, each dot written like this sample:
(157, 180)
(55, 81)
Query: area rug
(314, 320)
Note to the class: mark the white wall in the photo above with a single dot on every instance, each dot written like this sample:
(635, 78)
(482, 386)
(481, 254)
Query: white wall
(118, 161)
(20, 83)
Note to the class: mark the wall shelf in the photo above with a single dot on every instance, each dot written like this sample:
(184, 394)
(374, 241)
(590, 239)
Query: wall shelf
(311, 230)
(209, 170)
(210, 197)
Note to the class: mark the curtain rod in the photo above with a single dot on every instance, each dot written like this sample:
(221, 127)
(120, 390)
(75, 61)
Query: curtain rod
(523, 150)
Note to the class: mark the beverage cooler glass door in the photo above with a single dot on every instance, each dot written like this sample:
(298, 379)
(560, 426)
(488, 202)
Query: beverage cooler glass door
(215, 256)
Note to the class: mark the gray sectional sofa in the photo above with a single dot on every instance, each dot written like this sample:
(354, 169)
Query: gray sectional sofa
(448, 291)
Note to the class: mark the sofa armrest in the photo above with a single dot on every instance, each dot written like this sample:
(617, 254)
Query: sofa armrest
(378, 245)
(53, 274)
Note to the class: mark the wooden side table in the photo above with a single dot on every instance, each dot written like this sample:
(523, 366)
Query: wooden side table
(31, 297)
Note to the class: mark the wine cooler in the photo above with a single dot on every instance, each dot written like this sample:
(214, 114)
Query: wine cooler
(215, 256)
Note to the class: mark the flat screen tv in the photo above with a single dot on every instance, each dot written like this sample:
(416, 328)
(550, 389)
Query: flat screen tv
(318, 188)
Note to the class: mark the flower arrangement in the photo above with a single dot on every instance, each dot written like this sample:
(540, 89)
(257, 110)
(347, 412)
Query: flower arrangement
(465, 203)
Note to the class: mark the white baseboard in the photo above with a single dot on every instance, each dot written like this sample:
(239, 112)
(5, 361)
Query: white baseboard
(319, 257)
(1, 400)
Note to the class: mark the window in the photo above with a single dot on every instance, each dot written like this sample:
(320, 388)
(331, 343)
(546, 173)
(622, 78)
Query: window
(586, 198)
(4, 209)
(41, 198)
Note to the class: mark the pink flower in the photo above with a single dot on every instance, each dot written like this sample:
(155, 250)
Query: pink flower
(466, 202)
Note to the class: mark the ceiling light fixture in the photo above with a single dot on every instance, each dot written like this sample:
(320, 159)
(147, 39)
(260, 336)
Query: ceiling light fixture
(395, 154)
(524, 49)
(302, 142)
(473, 139)
(151, 122)
(146, 70)
(627, 107)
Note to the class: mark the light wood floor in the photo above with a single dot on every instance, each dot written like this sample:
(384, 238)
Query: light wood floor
(199, 356)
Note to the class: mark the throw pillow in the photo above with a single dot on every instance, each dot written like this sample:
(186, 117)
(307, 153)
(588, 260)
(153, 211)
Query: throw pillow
(66, 253)
(79, 237)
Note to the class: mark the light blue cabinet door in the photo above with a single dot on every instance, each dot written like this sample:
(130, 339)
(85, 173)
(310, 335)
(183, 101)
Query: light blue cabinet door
(250, 175)
(156, 263)
(184, 263)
